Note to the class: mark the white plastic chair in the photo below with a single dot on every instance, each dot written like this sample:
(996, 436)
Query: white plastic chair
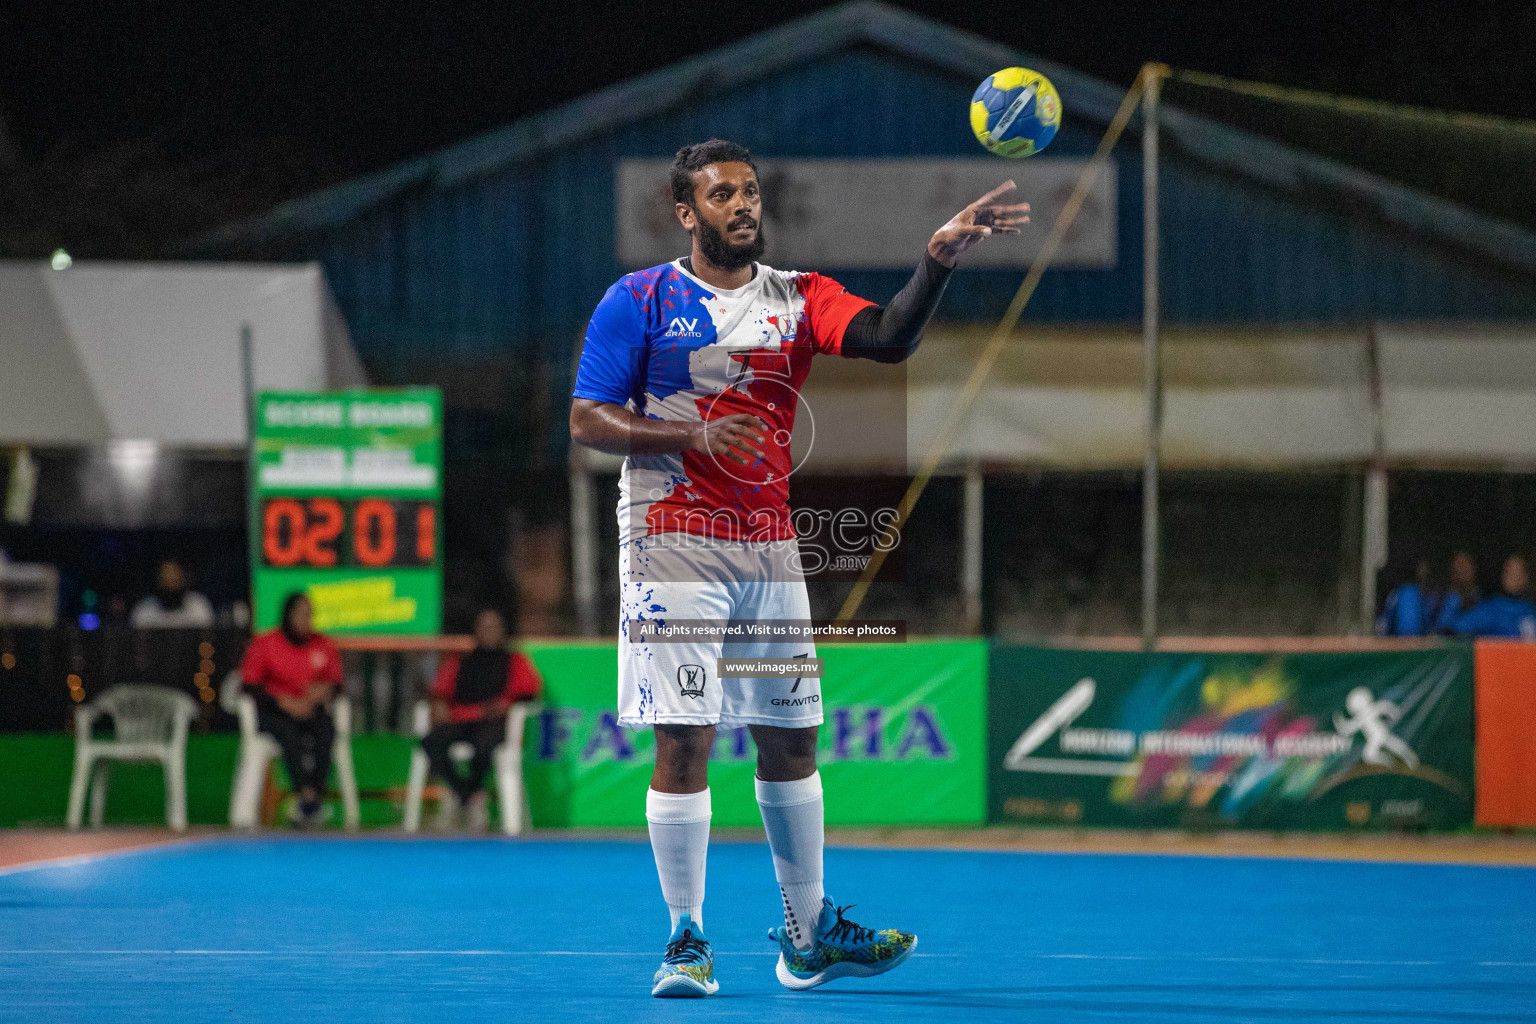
(506, 765)
(259, 749)
(149, 724)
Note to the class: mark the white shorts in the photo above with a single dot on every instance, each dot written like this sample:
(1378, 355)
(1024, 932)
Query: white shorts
(677, 683)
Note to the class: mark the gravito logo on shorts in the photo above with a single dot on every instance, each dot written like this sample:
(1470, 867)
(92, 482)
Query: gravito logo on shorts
(684, 327)
(691, 679)
(795, 702)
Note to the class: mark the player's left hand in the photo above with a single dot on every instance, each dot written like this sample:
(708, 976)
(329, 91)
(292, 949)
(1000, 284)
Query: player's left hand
(981, 219)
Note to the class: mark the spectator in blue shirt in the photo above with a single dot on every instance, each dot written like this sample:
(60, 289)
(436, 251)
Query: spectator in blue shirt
(1508, 614)
(1462, 595)
(1412, 608)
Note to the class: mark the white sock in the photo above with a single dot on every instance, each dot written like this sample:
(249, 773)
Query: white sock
(679, 824)
(793, 818)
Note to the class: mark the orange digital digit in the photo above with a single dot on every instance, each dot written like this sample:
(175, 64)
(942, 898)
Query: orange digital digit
(325, 526)
(374, 515)
(426, 534)
(282, 532)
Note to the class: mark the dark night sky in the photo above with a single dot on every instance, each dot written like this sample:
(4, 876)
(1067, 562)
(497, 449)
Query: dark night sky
(367, 83)
(323, 91)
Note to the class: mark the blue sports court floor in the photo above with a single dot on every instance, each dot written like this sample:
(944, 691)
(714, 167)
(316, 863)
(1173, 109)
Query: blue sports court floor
(301, 931)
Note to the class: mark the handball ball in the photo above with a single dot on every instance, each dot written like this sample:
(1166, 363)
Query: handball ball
(1015, 112)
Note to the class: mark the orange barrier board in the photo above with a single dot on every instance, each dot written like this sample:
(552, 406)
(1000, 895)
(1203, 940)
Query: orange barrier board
(1506, 733)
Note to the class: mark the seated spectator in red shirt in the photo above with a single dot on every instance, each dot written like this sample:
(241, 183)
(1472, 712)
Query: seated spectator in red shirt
(292, 672)
(470, 700)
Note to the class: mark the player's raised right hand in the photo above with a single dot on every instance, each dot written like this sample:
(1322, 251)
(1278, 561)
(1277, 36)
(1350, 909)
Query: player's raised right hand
(738, 437)
(982, 219)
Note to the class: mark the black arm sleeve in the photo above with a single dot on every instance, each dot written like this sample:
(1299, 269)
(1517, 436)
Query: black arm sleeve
(889, 334)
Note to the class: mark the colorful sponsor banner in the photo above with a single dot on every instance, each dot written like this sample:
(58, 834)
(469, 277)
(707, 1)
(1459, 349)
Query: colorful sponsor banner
(347, 504)
(903, 742)
(1313, 741)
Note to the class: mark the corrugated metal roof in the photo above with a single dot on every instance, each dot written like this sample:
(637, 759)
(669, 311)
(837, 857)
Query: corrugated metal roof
(1467, 159)
(866, 23)
(517, 258)
(477, 267)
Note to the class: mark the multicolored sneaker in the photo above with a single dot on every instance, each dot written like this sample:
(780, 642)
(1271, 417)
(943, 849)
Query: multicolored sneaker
(842, 949)
(688, 968)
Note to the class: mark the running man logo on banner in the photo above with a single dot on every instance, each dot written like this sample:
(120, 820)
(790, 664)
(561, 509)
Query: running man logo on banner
(1373, 720)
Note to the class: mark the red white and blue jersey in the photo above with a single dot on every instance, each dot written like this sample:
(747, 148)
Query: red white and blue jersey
(667, 346)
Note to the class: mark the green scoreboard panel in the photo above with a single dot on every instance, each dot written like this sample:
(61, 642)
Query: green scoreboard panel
(347, 494)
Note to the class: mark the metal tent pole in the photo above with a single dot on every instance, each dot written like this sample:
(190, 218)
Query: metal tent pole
(970, 547)
(252, 526)
(1373, 539)
(1151, 374)
(583, 541)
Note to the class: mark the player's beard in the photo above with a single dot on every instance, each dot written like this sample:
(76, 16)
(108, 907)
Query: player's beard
(722, 253)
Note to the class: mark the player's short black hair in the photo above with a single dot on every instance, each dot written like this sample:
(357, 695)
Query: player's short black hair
(699, 156)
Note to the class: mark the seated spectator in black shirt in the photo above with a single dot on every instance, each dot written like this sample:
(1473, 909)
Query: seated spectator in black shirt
(470, 700)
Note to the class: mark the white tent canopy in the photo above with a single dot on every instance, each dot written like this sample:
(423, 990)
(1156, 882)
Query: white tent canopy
(1428, 396)
(1454, 396)
(109, 351)
(1460, 395)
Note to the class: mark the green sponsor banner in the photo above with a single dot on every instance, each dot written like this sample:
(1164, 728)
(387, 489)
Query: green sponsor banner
(903, 742)
(40, 765)
(347, 504)
(1294, 741)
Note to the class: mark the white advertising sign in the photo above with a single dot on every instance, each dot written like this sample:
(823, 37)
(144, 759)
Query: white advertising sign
(877, 214)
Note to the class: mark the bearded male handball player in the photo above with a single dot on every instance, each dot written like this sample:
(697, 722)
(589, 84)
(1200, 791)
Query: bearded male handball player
(692, 371)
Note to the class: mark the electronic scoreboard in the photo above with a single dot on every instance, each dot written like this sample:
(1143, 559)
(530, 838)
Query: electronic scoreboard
(347, 506)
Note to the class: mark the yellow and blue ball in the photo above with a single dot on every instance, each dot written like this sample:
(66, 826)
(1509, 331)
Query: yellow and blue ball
(1015, 112)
